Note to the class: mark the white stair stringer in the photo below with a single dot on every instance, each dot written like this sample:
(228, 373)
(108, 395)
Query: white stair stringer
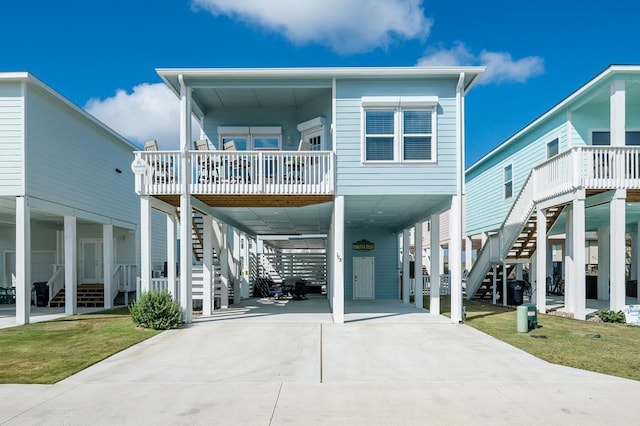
(498, 245)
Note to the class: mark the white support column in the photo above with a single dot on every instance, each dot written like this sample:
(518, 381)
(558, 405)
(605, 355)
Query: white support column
(567, 264)
(494, 289)
(618, 250)
(23, 261)
(604, 251)
(434, 278)
(578, 273)
(145, 244)
(107, 262)
(533, 267)
(207, 265)
(504, 284)
(186, 233)
(237, 269)
(541, 260)
(455, 258)
(468, 251)
(224, 266)
(406, 259)
(171, 255)
(70, 265)
(617, 113)
(338, 272)
(441, 257)
(418, 267)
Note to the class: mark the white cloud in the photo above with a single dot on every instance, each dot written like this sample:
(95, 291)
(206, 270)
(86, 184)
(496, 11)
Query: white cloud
(346, 26)
(501, 67)
(150, 111)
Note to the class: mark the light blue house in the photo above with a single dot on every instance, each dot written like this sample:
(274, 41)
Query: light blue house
(68, 215)
(338, 162)
(561, 196)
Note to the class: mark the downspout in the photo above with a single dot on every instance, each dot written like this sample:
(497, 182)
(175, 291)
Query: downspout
(455, 241)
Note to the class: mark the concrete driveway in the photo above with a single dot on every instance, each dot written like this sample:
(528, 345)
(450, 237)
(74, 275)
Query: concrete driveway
(277, 363)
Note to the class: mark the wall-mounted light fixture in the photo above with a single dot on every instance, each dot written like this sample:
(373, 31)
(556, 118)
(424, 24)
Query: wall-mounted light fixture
(118, 170)
(289, 140)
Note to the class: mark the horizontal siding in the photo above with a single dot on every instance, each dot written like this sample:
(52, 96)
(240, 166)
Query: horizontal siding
(486, 206)
(72, 161)
(355, 178)
(11, 137)
(386, 253)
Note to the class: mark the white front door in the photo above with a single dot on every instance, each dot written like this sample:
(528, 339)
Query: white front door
(91, 262)
(363, 278)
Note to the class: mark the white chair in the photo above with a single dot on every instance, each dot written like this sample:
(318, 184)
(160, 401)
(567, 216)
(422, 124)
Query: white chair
(208, 163)
(162, 171)
(296, 165)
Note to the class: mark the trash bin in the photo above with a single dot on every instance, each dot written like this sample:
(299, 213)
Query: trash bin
(42, 293)
(522, 324)
(515, 292)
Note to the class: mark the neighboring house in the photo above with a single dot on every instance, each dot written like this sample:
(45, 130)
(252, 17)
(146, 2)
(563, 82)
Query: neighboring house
(570, 175)
(68, 214)
(335, 162)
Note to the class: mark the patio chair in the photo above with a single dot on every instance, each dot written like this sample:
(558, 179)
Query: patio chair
(161, 171)
(296, 165)
(208, 164)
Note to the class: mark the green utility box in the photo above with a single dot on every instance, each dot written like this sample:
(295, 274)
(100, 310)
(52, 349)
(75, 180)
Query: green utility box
(526, 317)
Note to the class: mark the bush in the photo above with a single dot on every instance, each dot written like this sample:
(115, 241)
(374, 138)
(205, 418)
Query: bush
(607, 315)
(157, 310)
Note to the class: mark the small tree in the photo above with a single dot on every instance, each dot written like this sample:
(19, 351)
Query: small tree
(157, 310)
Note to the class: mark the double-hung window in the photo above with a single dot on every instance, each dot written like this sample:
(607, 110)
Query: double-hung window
(399, 129)
(508, 181)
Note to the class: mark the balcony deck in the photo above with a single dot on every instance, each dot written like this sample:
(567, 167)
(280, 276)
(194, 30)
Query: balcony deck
(239, 178)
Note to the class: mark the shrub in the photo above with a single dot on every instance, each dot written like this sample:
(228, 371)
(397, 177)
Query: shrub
(607, 315)
(156, 310)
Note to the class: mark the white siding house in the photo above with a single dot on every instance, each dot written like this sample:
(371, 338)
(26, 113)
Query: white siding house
(340, 162)
(68, 213)
(570, 177)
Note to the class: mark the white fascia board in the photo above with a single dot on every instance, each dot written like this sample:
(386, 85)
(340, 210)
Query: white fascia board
(561, 105)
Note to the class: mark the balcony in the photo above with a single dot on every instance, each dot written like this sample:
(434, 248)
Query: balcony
(237, 178)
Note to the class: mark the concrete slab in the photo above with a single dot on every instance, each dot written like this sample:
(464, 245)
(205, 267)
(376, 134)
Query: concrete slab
(389, 364)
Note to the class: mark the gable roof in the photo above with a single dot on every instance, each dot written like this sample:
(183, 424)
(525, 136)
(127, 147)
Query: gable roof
(576, 96)
(34, 81)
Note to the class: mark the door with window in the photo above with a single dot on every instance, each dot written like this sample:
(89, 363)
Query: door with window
(91, 261)
(363, 278)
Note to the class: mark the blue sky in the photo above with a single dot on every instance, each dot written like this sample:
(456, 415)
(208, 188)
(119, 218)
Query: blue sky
(102, 55)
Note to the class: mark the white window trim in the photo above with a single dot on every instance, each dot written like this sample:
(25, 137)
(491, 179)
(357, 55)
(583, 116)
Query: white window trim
(549, 140)
(504, 182)
(250, 133)
(399, 104)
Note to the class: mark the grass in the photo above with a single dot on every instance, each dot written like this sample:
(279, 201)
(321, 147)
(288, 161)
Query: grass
(568, 342)
(48, 352)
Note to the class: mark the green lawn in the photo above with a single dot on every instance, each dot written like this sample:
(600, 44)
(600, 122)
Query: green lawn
(568, 342)
(48, 352)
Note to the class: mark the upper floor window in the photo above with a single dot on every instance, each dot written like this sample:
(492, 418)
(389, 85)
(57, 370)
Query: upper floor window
(552, 148)
(603, 137)
(508, 181)
(399, 129)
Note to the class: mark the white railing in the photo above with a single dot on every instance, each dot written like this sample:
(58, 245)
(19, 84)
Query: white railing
(589, 167)
(445, 289)
(239, 172)
(56, 282)
(123, 279)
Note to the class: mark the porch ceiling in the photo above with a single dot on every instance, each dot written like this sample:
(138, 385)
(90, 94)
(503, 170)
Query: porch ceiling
(221, 97)
(598, 216)
(393, 212)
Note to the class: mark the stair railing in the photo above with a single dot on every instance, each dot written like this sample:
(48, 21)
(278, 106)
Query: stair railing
(56, 282)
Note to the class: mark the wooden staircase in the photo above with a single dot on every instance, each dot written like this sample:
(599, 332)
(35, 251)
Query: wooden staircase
(88, 296)
(524, 247)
